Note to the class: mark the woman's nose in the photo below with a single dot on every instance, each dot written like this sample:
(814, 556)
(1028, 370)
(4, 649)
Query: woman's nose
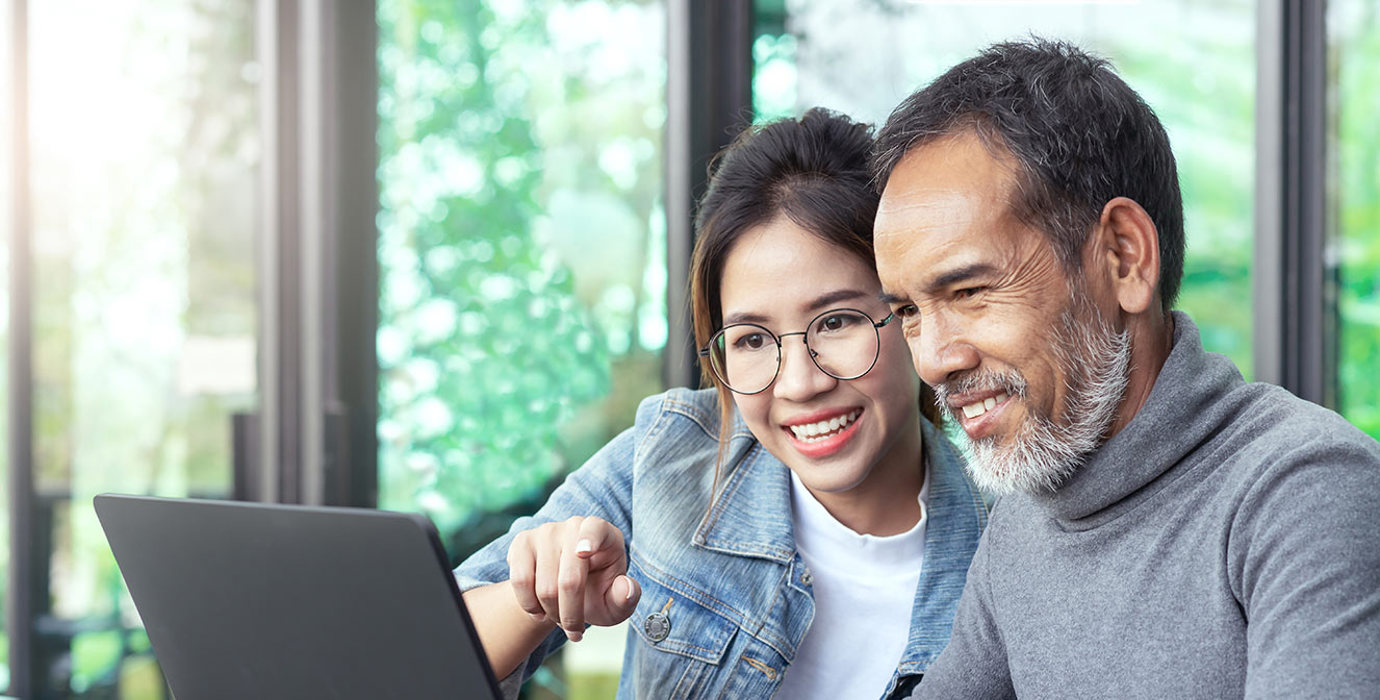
(799, 378)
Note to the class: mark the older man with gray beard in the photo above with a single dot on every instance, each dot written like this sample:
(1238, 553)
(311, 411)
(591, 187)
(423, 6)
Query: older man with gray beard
(1166, 529)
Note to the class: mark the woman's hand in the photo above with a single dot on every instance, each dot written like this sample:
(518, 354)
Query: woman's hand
(572, 573)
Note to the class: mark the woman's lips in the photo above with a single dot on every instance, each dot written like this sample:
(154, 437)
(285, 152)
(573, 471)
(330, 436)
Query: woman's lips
(819, 438)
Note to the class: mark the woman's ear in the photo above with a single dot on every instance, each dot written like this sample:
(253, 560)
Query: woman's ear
(1129, 246)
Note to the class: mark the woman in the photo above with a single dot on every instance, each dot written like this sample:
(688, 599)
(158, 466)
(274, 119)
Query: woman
(765, 537)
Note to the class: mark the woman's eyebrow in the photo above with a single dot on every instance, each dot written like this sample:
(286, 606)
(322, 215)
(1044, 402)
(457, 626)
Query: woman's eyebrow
(744, 317)
(839, 295)
(821, 302)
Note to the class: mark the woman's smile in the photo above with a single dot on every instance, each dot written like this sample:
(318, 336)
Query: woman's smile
(823, 433)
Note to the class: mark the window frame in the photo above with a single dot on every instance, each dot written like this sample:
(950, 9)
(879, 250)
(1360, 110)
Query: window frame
(314, 439)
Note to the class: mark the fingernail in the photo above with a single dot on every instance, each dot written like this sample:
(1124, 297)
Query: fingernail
(574, 636)
(583, 547)
(537, 616)
(628, 595)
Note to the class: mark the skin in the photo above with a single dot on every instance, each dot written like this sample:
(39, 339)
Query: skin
(977, 289)
(780, 276)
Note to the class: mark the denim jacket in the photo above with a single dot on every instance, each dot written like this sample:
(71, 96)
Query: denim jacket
(726, 599)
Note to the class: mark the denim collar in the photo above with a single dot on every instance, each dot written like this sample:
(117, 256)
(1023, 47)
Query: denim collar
(752, 517)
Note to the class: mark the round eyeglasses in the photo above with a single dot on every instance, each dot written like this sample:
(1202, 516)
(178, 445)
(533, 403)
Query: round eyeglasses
(843, 343)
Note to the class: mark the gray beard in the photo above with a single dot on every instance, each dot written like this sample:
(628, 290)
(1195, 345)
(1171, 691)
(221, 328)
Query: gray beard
(1095, 360)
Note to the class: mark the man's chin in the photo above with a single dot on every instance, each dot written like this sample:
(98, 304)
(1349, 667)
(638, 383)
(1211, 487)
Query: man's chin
(1002, 470)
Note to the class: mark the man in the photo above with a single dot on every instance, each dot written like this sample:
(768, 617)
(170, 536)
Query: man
(1166, 530)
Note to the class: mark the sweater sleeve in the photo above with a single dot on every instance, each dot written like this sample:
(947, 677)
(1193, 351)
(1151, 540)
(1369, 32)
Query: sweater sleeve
(601, 487)
(1304, 560)
(974, 664)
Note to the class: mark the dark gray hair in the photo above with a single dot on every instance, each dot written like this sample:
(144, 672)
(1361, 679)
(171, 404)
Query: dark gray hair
(1080, 134)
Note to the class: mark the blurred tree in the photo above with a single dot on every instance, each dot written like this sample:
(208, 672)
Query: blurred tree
(481, 344)
(1355, 53)
(522, 296)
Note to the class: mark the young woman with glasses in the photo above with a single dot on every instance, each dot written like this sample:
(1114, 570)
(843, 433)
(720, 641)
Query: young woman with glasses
(803, 529)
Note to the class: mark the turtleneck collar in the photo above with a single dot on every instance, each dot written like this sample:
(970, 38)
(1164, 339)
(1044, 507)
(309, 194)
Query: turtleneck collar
(1185, 407)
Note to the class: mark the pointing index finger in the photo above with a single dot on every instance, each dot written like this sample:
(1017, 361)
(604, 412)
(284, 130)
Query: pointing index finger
(594, 535)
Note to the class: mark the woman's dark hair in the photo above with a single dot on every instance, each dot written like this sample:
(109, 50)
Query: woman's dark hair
(816, 170)
(1081, 135)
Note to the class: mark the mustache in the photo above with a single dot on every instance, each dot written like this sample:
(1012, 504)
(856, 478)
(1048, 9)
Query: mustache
(1009, 381)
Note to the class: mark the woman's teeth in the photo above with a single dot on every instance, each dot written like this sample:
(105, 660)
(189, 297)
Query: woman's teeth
(814, 432)
(973, 410)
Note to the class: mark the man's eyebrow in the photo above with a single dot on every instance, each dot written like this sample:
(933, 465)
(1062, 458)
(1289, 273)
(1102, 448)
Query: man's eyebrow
(960, 274)
(944, 280)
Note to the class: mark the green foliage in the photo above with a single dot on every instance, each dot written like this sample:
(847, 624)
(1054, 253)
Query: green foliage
(520, 216)
(1210, 119)
(95, 656)
(482, 346)
(1357, 193)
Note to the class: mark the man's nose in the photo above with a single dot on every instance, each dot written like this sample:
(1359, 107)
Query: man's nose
(799, 378)
(940, 350)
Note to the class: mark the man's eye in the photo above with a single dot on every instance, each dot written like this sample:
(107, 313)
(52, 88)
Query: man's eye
(966, 292)
(907, 311)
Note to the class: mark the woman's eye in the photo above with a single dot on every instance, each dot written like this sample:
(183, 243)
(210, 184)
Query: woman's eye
(836, 322)
(751, 341)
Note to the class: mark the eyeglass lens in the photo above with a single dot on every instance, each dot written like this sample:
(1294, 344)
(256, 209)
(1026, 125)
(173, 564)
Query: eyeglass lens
(747, 357)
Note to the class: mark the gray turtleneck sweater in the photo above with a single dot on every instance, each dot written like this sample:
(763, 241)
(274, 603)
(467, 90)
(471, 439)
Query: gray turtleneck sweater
(1226, 543)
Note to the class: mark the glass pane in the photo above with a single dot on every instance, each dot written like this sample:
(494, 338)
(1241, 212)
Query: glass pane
(1354, 29)
(1193, 62)
(522, 256)
(144, 153)
(522, 243)
(6, 184)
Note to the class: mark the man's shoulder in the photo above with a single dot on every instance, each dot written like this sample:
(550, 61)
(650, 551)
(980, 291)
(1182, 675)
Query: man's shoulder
(1275, 426)
(1287, 463)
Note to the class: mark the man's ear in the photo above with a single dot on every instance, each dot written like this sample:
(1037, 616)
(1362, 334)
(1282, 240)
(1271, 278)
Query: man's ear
(1128, 244)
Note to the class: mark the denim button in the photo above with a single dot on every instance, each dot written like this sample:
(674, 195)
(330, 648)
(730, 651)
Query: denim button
(806, 577)
(657, 626)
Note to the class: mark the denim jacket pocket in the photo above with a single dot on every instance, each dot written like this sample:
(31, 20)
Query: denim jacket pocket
(680, 639)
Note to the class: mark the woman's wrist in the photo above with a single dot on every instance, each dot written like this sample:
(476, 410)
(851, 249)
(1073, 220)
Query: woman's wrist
(508, 633)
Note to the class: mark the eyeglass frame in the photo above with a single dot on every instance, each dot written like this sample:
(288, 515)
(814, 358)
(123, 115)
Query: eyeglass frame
(814, 355)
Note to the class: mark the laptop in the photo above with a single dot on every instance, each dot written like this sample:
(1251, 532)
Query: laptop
(253, 600)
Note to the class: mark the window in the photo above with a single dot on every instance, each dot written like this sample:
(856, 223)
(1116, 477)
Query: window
(1198, 74)
(522, 244)
(143, 152)
(522, 256)
(7, 172)
(1354, 34)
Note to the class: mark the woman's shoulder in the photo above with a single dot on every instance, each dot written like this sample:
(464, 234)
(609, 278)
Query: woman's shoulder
(676, 439)
(694, 413)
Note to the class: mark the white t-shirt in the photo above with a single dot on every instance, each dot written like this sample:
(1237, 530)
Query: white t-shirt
(864, 589)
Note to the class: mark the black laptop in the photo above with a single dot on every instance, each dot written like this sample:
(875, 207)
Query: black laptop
(251, 600)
